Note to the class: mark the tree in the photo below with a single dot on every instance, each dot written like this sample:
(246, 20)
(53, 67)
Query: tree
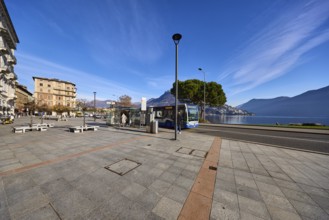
(82, 105)
(192, 91)
(59, 109)
(42, 108)
(125, 101)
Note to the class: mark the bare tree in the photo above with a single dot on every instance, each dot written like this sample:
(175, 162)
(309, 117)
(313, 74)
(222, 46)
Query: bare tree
(125, 101)
(82, 105)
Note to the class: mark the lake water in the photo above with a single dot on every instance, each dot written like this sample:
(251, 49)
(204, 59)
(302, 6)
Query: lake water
(266, 120)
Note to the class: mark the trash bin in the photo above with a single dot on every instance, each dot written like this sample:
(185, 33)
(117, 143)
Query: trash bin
(155, 127)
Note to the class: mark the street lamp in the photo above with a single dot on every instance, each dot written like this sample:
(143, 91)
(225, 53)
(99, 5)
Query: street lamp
(94, 106)
(204, 94)
(176, 37)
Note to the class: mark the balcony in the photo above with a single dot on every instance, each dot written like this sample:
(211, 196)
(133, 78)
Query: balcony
(6, 35)
(4, 93)
(11, 59)
(5, 69)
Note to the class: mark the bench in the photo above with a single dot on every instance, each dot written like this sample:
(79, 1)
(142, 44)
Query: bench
(76, 129)
(21, 129)
(39, 127)
(93, 128)
(36, 127)
(80, 129)
(51, 118)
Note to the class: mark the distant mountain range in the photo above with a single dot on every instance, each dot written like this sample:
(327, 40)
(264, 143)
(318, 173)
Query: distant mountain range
(313, 103)
(168, 99)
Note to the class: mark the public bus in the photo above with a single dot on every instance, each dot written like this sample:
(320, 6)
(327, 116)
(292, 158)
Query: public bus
(166, 117)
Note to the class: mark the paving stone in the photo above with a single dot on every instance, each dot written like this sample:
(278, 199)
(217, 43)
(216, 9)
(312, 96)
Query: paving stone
(148, 199)
(160, 187)
(298, 196)
(25, 201)
(322, 201)
(54, 188)
(245, 182)
(133, 191)
(227, 199)
(224, 185)
(253, 207)
(46, 212)
(219, 211)
(277, 201)
(264, 179)
(72, 205)
(135, 211)
(287, 184)
(314, 190)
(280, 214)
(116, 204)
(313, 212)
(168, 208)
(225, 176)
(269, 188)
(177, 193)
(248, 216)
(16, 183)
(280, 175)
(184, 182)
(248, 192)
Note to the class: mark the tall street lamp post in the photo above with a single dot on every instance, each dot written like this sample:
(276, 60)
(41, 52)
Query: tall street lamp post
(176, 37)
(94, 106)
(204, 94)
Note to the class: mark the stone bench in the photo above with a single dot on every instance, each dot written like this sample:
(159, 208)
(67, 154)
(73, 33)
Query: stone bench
(36, 127)
(21, 129)
(80, 129)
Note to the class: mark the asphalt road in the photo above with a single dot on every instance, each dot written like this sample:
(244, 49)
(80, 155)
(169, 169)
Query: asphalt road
(285, 138)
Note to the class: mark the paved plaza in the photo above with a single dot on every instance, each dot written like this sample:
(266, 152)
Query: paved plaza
(125, 173)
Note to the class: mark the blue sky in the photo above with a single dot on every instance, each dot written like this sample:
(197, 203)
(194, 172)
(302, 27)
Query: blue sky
(254, 48)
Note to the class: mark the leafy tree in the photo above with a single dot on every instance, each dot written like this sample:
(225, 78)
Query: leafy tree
(192, 91)
(42, 108)
(125, 101)
(59, 109)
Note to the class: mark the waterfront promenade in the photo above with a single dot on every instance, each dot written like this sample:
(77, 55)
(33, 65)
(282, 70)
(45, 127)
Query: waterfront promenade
(56, 174)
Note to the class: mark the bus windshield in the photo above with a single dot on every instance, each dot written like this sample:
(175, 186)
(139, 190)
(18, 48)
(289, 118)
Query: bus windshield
(193, 113)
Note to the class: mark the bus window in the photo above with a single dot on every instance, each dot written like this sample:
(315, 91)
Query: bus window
(193, 114)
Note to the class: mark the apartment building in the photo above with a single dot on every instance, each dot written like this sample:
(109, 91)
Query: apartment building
(24, 97)
(54, 92)
(8, 41)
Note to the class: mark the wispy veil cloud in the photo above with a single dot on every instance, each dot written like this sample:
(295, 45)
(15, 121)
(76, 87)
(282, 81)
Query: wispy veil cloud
(278, 47)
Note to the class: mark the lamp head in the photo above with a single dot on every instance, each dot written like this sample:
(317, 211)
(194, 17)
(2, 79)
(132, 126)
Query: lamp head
(200, 69)
(176, 37)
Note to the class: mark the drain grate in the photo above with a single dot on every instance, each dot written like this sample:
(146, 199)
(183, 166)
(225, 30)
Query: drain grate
(123, 166)
(193, 152)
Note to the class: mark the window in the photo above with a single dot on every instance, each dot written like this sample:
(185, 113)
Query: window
(41, 84)
(49, 85)
(40, 89)
(158, 114)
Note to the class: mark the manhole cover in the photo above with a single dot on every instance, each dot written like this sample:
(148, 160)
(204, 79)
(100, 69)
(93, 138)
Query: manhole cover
(184, 150)
(193, 152)
(123, 166)
(199, 153)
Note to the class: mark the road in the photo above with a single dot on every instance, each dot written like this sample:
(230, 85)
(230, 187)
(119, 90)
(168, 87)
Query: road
(292, 138)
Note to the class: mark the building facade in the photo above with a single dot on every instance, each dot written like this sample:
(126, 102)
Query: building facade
(8, 41)
(53, 92)
(24, 97)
